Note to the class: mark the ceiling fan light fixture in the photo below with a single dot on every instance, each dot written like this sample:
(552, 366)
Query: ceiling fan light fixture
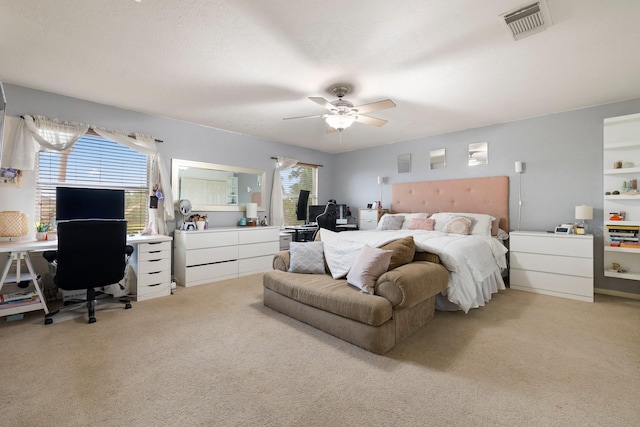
(340, 121)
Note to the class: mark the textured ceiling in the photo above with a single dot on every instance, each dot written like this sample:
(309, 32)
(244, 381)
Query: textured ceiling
(244, 65)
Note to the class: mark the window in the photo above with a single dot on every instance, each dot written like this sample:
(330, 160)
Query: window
(95, 162)
(300, 177)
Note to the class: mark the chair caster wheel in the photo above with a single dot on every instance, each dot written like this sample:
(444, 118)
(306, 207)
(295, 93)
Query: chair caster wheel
(92, 320)
(127, 306)
(48, 321)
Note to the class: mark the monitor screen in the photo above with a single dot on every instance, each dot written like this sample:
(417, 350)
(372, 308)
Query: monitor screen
(314, 211)
(89, 203)
(301, 208)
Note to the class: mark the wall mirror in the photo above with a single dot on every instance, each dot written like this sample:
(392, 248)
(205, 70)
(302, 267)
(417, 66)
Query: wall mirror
(404, 163)
(478, 154)
(437, 159)
(212, 187)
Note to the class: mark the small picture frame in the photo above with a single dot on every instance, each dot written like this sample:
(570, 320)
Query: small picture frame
(369, 205)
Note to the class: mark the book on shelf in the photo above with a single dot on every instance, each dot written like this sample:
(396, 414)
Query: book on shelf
(18, 297)
(633, 245)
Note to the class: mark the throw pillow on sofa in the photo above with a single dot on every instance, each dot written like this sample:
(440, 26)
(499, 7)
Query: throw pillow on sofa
(403, 251)
(306, 257)
(370, 264)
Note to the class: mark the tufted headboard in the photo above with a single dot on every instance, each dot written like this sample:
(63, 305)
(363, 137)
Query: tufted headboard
(488, 195)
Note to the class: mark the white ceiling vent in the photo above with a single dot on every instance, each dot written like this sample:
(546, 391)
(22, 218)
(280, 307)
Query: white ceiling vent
(527, 20)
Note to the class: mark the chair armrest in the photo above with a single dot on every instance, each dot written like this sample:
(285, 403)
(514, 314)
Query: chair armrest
(412, 283)
(282, 261)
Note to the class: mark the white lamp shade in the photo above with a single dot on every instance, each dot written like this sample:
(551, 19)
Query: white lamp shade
(340, 121)
(584, 212)
(380, 180)
(252, 210)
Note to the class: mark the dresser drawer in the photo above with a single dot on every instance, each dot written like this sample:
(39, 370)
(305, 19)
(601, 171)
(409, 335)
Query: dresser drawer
(211, 255)
(204, 239)
(255, 265)
(152, 266)
(258, 249)
(211, 272)
(153, 291)
(144, 248)
(552, 284)
(552, 264)
(256, 235)
(553, 245)
(154, 278)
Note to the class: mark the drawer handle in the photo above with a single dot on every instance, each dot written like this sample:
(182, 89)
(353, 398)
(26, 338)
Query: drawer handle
(155, 272)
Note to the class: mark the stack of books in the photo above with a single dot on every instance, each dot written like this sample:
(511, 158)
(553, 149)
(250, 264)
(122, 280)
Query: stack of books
(18, 299)
(624, 236)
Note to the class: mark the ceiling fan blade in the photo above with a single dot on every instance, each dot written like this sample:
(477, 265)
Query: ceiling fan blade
(304, 117)
(375, 106)
(371, 121)
(322, 102)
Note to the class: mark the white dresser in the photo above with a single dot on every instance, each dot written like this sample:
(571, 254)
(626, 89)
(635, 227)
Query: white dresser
(368, 218)
(553, 264)
(223, 253)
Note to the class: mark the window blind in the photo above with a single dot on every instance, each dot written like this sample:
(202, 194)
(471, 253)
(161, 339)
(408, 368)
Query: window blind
(299, 177)
(95, 162)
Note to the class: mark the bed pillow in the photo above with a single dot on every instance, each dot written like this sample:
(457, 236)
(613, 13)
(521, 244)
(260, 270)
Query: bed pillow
(370, 264)
(409, 216)
(457, 225)
(391, 222)
(421, 224)
(403, 249)
(481, 224)
(306, 257)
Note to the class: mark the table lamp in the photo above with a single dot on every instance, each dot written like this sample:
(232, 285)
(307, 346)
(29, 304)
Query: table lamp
(252, 214)
(583, 212)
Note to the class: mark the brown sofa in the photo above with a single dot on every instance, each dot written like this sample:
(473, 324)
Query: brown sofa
(403, 301)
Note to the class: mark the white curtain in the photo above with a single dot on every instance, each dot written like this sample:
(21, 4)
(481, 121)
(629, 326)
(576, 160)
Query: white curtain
(159, 179)
(38, 131)
(277, 210)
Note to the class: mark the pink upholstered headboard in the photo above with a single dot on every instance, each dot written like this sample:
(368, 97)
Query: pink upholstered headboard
(473, 195)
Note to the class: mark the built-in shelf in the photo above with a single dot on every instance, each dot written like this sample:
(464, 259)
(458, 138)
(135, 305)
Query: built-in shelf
(622, 171)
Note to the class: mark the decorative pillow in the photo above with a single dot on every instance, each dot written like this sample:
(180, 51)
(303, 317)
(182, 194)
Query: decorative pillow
(409, 216)
(339, 253)
(421, 224)
(403, 251)
(370, 264)
(391, 222)
(306, 257)
(457, 225)
(480, 223)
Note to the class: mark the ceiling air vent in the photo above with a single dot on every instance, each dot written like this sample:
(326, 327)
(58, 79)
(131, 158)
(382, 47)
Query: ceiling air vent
(527, 20)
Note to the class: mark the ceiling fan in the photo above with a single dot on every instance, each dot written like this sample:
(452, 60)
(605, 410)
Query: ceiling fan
(342, 113)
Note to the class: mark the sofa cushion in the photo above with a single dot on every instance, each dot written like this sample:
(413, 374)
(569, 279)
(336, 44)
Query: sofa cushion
(369, 265)
(306, 257)
(335, 296)
(403, 251)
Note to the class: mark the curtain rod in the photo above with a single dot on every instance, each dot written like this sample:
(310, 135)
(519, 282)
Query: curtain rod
(303, 163)
(131, 135)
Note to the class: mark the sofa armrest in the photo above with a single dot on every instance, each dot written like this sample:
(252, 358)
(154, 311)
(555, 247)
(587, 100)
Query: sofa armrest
(412, 283)
(282, 260)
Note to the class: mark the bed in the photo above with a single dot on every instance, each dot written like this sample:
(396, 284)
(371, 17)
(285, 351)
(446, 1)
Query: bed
(426, 211)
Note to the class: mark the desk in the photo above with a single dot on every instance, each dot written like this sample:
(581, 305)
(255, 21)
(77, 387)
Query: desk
(151, 262)
(302, 233)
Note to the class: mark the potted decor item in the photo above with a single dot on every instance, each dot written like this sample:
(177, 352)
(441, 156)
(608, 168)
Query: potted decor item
(41, 231)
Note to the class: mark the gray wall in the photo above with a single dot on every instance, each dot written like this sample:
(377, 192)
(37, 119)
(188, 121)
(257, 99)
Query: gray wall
(563, 168)
(182, 140)
(562, 155)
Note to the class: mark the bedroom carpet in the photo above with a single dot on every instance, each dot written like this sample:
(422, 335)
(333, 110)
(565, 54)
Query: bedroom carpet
(212, 355)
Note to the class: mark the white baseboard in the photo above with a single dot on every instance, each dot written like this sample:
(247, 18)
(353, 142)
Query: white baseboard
(617, 293)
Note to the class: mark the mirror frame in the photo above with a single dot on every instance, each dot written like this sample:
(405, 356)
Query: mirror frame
(177, 164)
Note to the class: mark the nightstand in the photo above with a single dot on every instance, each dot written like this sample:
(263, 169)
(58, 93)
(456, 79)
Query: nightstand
(368, 218)
(553, 264)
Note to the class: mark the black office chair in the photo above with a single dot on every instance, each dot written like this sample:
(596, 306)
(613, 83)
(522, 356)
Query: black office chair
(91, 254)
(327, 219)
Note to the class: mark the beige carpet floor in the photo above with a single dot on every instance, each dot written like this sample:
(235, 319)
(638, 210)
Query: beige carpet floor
(213, 355)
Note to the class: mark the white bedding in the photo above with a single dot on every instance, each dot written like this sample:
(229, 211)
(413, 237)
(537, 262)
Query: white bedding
(474, 262)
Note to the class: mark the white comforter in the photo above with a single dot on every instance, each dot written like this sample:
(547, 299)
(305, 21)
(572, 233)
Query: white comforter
(474, 262)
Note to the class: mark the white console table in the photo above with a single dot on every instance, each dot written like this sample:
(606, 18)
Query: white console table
(205, 256)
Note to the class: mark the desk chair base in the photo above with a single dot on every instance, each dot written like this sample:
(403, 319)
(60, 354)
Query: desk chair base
(93, 298)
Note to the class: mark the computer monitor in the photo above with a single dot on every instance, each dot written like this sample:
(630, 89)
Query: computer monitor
(89, 203)
(314, 211)
(301, 208)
